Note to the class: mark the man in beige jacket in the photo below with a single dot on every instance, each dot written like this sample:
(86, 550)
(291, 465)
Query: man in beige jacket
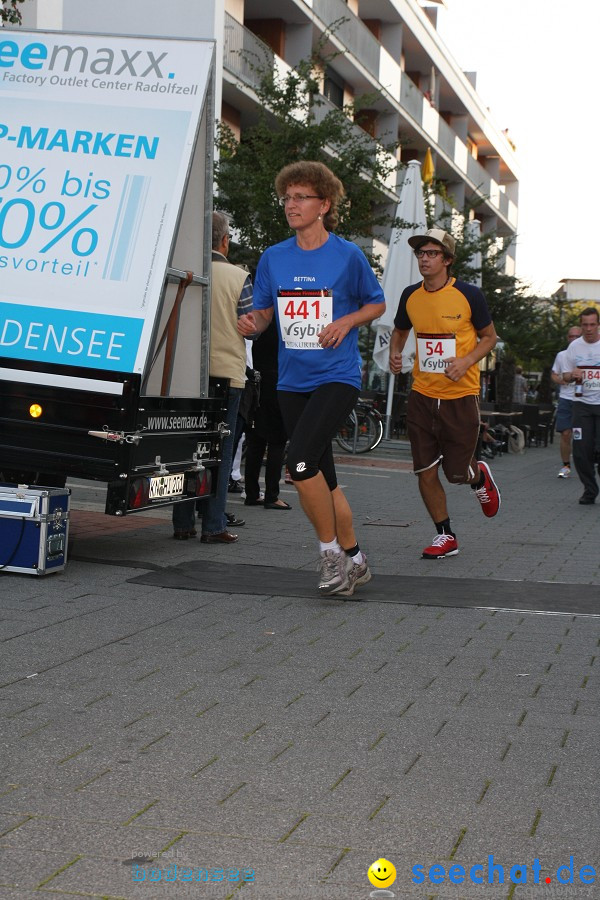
(231, 297)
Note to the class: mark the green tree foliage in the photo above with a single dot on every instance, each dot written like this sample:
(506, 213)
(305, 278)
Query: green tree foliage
(10, 12)
(294, 122)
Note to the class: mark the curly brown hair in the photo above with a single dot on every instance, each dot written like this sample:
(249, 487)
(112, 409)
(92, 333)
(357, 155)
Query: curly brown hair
(321, 179)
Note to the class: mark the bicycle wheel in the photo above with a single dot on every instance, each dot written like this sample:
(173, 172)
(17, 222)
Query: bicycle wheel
(378, 422)
(347, 433)
(360, 432)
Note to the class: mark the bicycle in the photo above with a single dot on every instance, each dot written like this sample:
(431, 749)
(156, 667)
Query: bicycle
(363, 429)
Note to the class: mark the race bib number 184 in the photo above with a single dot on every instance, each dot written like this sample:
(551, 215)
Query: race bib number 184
(591, 378)
(302, 317)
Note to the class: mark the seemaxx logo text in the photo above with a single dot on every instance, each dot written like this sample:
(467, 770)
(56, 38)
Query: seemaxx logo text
(106, 60)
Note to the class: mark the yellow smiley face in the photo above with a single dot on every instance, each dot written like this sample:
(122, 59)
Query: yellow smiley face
(381, 873)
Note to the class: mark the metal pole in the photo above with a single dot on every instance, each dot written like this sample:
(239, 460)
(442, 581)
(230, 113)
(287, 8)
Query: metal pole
(388, 405)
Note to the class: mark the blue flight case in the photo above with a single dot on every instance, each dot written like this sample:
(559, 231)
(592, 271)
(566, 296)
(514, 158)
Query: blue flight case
(34, 529)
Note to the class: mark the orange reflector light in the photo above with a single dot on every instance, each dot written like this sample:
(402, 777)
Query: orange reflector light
(35, 410)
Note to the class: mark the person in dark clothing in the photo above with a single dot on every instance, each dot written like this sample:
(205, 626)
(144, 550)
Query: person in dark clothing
(267, 432)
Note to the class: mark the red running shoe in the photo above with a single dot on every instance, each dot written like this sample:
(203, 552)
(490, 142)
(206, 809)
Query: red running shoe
(488, 494)
(442, 545)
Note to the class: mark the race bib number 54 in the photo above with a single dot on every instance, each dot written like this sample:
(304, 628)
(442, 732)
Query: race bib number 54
(302, 317)
(434, 350)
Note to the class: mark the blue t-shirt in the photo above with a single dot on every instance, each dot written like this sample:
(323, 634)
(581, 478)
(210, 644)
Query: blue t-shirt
(338, 266)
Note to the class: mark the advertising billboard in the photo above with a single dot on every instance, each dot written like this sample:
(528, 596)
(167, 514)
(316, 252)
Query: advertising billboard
(96, 138)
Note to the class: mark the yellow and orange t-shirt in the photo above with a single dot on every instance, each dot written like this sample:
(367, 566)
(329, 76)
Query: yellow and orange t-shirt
(446, 323)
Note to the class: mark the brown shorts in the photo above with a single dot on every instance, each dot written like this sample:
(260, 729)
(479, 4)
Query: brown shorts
(446, 432)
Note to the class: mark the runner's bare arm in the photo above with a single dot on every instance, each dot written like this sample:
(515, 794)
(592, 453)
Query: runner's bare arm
(458, 365)
(397, 342)
(255, 322)
(574, 375)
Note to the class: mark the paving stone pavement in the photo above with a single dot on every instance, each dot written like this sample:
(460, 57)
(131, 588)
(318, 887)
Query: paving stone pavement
(272, 747)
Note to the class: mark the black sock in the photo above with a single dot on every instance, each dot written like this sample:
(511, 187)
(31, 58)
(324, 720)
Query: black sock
(352, 551)
(476, 485)
(444, 527)
(567, 464)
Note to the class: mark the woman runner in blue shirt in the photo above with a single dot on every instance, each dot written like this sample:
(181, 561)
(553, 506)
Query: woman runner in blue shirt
(321, 289)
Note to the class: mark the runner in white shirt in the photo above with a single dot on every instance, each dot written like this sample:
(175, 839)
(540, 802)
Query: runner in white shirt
(582, 366)
(564, 412)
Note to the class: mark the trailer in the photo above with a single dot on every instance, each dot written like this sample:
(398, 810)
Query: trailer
(106, 149)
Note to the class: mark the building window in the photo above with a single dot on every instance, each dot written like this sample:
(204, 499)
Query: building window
(472, 147)
(333, 87)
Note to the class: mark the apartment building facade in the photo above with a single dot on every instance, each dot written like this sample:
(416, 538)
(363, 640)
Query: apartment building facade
(578, 290)
(390, 47)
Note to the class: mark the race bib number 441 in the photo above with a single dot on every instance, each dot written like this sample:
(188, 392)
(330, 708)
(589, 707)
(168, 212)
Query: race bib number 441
(434, 350)
(302, 317)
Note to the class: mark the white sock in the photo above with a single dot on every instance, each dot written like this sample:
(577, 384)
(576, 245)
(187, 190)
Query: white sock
(330, 545)
(359, 558)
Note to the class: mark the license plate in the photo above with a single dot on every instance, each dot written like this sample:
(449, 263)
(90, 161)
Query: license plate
(165, 486)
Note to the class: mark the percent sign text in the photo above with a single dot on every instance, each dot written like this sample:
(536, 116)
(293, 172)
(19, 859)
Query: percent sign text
(21, 215)
(25, 176)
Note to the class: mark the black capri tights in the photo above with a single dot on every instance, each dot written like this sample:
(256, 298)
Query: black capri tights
(312, 420)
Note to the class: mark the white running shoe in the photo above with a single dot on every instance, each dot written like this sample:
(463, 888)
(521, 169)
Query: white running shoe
(565, 472)
(359, 574)
(335, 568)
(261, 495)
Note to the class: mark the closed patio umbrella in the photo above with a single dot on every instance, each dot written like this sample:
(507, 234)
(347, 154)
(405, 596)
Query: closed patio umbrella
(428, 169)
(401, 269)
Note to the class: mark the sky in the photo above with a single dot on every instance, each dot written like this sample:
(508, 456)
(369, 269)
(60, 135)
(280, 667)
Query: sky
(537, 71)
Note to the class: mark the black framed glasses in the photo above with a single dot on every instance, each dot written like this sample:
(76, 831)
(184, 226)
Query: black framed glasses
(297, 198)
(431, 254)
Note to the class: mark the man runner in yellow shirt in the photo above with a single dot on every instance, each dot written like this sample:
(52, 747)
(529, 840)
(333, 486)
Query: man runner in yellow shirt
(454, 330)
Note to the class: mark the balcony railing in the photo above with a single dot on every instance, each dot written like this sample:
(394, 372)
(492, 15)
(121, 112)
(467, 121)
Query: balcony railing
(446, 138)
(244, 52)
(503, 205)
(411, 98)
(363, 45)
(477, 174)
